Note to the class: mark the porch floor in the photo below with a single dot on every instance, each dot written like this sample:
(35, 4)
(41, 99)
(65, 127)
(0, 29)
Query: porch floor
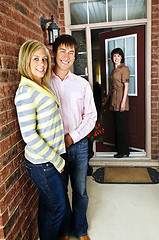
(122, 211)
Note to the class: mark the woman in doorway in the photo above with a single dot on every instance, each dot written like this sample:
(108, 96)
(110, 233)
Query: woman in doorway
(42, 130)
(119, 102)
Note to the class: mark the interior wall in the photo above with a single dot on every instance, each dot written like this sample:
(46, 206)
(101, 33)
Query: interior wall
(19, 21)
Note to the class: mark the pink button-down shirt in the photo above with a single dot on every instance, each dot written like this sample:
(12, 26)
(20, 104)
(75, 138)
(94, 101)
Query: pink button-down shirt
(76, 102)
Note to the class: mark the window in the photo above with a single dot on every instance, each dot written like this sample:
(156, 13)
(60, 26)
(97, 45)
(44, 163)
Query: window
(80, 65)
(129, 46)
(95, 11)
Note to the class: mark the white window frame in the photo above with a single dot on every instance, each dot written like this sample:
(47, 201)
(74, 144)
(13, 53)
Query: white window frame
(107, 58)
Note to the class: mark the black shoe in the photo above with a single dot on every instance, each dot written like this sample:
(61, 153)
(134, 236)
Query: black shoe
(89, 170)
(121, 155)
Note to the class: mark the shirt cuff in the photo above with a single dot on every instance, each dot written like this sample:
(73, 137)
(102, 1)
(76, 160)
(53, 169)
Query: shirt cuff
(75, 136)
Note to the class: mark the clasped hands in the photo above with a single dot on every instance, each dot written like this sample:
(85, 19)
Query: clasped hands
(68, 140)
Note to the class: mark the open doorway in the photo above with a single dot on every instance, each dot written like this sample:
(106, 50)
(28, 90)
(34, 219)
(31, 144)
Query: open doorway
(123, 38)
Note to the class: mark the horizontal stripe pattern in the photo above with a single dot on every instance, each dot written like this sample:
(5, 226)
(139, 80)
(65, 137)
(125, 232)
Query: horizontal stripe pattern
(40, 124)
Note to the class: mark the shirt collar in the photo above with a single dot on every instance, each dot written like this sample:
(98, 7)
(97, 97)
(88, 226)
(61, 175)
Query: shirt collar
(67, 76)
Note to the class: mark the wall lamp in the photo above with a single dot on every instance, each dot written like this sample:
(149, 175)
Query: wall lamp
(53, 29)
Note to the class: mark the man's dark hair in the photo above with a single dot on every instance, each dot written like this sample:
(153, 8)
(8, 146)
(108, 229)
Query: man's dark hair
(67, 40)
(118, 51)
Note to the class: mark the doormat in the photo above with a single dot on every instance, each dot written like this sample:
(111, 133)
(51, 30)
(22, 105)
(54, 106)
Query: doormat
(124, 175)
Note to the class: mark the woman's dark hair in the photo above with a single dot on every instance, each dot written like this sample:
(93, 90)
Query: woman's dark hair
(118, 51)
(67, 40)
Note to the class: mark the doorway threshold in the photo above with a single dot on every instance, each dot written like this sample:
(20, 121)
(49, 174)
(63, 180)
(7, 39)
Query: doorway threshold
(134, 160)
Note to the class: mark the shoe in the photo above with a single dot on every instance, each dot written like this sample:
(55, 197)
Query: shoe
(84, 238)
(64, 238)
(89, 170)
(121, 155)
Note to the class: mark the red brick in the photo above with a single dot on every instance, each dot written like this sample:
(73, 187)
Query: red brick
(2, 92)
(26, 186)
(5, 9)
(11, 50)
(3, 118)
(15, 137)
(9, 62)
(7, 36)
(20, 146)
(6, 104)
(10, 2)
(4, 218)
(11, 114)
(5, 145)
(8, 156)
(1, 233)
(21, 181)
(4, 75)
(18, 159)
(13, 76)
(6, 171)
(17, 199)
(7, 199)
(6, 130)
(2, 49)
(2, 190)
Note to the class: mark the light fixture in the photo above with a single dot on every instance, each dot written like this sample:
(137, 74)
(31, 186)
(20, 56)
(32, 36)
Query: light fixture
(53, 29)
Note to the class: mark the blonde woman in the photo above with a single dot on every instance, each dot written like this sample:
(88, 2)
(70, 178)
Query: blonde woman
(42, 131)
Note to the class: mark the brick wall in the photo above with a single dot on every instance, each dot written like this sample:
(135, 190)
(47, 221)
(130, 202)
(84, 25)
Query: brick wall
(19, 21)
(155, 79)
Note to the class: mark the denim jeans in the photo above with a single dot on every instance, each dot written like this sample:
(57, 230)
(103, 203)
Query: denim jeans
(51, 198)
(75, 220)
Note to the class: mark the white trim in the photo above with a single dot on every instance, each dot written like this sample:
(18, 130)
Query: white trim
(109, 24)
(148, 79)
(111, 154)
(89, 55)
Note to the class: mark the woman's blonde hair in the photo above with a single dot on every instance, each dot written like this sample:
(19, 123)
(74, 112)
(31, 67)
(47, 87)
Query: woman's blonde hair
(26, 52)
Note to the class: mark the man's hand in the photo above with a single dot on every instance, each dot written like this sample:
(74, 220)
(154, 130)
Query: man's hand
(68, 140)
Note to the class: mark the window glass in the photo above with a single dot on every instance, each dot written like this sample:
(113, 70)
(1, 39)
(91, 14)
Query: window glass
(80, 64)
(97, 11)
(116, 10)
(136, 9)
(132, 85)
(130, 61)
(128, 45)
(78, 13)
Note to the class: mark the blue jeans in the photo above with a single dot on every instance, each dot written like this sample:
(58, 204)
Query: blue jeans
(75, 220)
(51, 198)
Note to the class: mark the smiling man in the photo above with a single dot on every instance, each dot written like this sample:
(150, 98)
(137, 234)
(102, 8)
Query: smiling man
(79, 115)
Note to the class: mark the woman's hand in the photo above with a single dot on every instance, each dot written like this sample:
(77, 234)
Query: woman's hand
(122, 108)
(61, 170)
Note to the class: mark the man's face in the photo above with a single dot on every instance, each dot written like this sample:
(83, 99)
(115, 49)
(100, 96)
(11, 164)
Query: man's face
(65, 57)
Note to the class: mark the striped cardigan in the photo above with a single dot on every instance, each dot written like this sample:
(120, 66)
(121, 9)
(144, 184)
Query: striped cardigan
(40, 124)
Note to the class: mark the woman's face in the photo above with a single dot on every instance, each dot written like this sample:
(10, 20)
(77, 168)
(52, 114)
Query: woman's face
(117, 59)
(38, 65)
